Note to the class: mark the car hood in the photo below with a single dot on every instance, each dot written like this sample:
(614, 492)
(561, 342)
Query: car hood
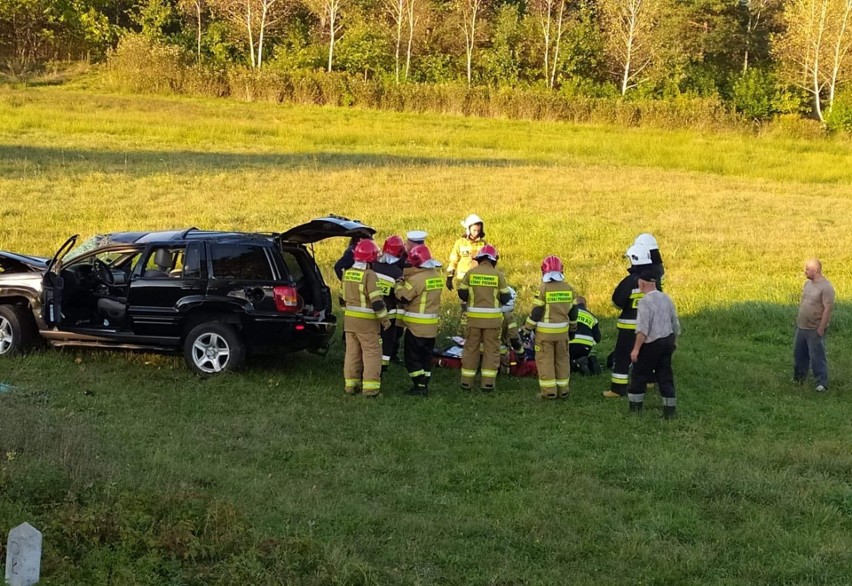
(329, 226)
(11, 262)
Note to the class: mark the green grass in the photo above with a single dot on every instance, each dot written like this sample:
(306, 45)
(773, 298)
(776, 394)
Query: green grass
(139, 473)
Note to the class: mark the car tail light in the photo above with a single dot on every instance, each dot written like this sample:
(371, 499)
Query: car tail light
(286, 299)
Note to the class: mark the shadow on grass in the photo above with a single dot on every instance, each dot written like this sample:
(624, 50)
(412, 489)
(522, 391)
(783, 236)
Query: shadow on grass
(36, 160)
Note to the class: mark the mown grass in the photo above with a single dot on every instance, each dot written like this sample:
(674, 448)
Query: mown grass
(147, 475)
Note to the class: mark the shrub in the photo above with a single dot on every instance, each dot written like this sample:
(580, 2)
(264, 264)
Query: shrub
(839, 118)
(140, 64)
(754, 94)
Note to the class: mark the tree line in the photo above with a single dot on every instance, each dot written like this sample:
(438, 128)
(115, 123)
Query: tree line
(763, 57)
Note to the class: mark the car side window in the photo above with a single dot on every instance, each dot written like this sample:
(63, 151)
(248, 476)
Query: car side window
(191, 261)
(240, 262)
(164, 262)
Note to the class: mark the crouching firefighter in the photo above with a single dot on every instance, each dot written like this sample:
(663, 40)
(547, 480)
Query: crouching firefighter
(483, 288)
(583, 341)
(388, 271)
(553, 316)
(420, 293)
(364, 317)
(626, 297)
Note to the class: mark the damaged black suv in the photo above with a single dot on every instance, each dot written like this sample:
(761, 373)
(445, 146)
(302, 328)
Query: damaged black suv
(215, 295)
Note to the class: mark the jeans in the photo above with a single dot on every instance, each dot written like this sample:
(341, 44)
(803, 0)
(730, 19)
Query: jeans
(809, 351)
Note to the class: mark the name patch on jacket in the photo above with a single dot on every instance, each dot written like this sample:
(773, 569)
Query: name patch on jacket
(384, 286)
(559, 296)
(353, 276)
(586, 319)
(483, 280)
(434, 283)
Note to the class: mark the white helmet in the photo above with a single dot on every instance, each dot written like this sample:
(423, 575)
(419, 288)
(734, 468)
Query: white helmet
(510, 305)
(638, 255)
(470, 221)
(646, 240)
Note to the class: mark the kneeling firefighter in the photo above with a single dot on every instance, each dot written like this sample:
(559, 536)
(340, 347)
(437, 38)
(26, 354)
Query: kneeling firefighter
(364, 317)
(583, 341)
(420, 294)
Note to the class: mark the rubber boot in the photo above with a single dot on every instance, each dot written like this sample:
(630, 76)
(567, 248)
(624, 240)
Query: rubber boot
(669, 412)
(420, 388)
(636, 407)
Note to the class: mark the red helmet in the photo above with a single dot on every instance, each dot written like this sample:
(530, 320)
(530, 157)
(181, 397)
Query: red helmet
(394, 246)
(488, 251)
(419, 254)
(366, 251)
(551, 264)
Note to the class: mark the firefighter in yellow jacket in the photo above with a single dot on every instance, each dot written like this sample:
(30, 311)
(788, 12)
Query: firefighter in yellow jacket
(485, 291)
(420, 294)
(553, 316)
(462, 256)
(364, 318)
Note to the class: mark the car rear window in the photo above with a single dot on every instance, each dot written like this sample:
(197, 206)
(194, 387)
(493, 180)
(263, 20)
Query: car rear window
(242, 262)
(293, 267)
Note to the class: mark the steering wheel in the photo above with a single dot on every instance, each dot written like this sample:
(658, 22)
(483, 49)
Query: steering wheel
(103, 273)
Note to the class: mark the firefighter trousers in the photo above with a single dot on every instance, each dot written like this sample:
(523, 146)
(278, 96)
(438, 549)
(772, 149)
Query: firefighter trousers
(362, 363)
(489, 356)
(554, 367)
(654, 364)
(390, 342)
(418, 359)
(621, 368)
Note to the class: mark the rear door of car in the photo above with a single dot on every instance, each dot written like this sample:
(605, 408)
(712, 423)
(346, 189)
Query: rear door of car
(159, 294)
(243, 274)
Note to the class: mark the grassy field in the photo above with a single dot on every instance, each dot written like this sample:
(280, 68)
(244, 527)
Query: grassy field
(140, 473)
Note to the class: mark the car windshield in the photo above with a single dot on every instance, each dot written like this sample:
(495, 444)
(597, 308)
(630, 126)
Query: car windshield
(89, 244)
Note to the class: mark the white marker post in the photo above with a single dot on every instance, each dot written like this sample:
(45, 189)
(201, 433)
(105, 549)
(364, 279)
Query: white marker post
(23, 556)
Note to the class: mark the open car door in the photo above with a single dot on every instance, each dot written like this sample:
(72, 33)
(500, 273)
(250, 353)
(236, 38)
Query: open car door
(52, 284)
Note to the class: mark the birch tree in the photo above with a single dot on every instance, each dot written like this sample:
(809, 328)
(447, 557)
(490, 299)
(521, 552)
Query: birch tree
(470, 12)
(329, 14)
(551, 15)
(256, 18)
(814, 49)
(759, 14)
(629, 28)
(195, 7)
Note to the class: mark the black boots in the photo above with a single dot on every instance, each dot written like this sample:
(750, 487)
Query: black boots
(420, 387)
(669, 412)
(636, 407)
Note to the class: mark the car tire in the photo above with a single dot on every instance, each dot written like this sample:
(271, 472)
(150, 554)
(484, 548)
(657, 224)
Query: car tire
(18, 332)
(211, 348)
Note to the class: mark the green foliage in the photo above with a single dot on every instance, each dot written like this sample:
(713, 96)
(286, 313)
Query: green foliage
(839, 118)
(158, 19)
(143, 64)
(754, 94)
(500, 63)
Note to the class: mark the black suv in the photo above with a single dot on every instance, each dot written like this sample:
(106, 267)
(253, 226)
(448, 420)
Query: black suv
(216, 295)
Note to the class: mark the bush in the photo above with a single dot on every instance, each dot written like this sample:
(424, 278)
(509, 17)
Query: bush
(839, 118)
(140, 64)
(754, 95)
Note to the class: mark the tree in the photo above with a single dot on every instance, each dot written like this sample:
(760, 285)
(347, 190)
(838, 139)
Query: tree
(257, 19)
(328, 12)
(469, 11)
(759, 14)
(551, 14)
(398, 10)
(196, 7)
(629, 28)
(814, 48)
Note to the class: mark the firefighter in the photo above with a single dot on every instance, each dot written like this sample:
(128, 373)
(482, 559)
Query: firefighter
(461, 256)
(420, 293)
(485, 291)
(649, 242)
(364, 317)
(413, 238)
(626, 297)
(583, 341)
(553, 316)
(388, 269)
